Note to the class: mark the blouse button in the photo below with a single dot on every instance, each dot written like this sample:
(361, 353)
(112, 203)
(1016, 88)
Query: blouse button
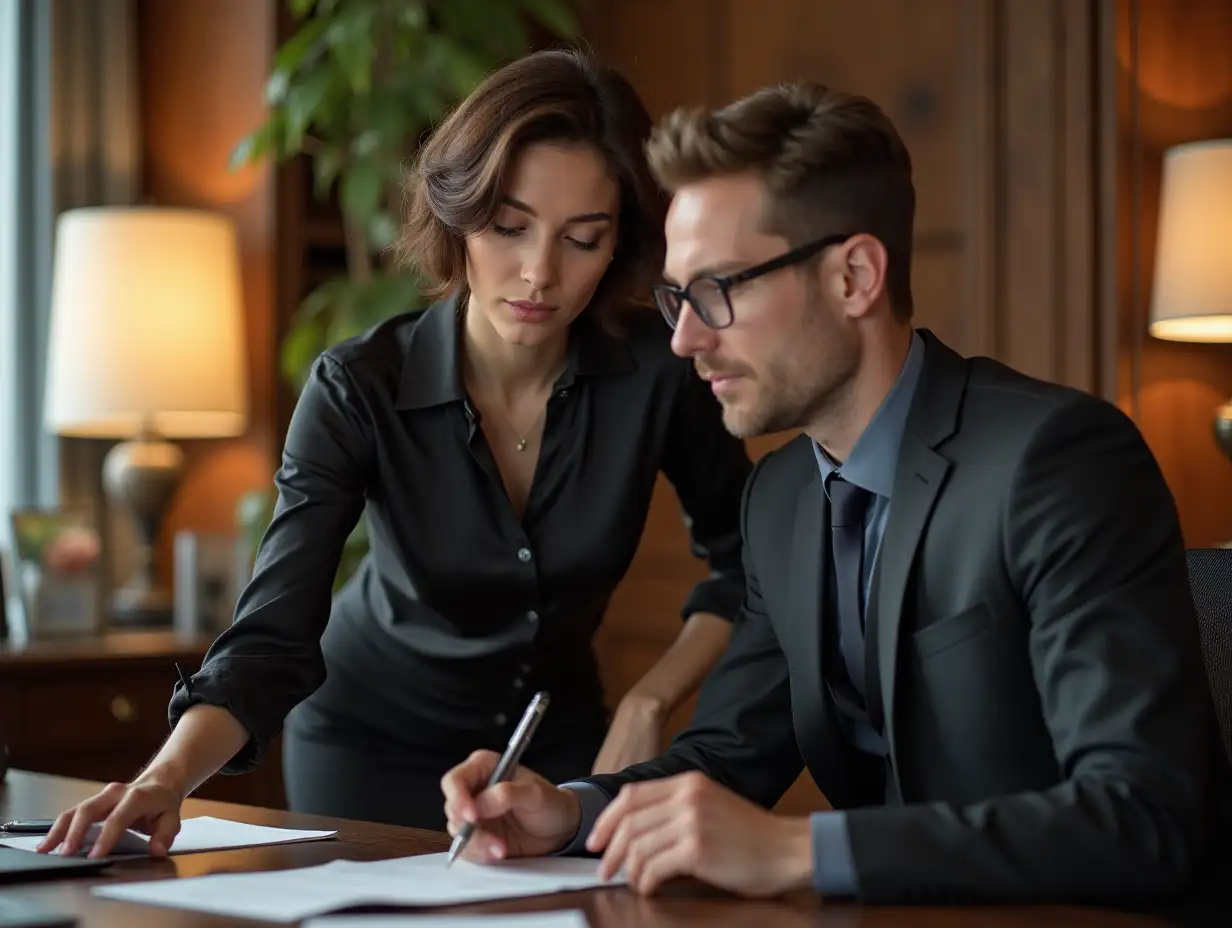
(500, 718)
(524, 555)
(532, 616)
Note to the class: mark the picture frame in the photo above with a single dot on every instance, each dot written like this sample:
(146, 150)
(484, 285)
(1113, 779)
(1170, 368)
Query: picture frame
(56, 569)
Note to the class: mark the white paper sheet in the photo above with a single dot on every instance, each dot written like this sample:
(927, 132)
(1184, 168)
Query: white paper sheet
(200, 833)
(292, 895)
(574, 918)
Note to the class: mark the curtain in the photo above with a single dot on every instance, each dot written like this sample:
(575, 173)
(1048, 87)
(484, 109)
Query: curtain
(95, 158)
(31, 461)
(75, 112)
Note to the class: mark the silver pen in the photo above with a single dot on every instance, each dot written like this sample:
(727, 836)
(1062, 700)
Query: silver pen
(508, 762)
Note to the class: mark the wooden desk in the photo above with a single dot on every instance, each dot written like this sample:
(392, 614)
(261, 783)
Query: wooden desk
(30, 795)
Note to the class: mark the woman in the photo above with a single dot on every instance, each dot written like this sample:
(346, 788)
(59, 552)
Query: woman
(505, 443)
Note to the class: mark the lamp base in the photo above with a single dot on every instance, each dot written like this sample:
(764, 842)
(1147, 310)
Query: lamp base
(1223, 427)
(141, 475)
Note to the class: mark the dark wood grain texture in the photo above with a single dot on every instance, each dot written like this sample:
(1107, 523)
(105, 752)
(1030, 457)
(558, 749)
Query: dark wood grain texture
(683, 904)
(96, 707)
(996, 101)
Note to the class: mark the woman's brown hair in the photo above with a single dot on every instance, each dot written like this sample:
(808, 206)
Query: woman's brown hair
(557, 95)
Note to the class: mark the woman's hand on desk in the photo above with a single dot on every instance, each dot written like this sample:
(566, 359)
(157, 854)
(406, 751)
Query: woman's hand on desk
(525, 816)
(145, 805)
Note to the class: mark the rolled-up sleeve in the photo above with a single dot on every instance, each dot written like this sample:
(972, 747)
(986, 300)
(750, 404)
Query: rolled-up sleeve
(708, 468)
(270, 658)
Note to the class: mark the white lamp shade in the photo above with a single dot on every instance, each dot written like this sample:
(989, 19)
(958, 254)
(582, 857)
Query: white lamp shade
(146, 325)
(1191, 298)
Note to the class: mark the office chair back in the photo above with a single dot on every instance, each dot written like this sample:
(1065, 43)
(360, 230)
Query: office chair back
(1210, 580)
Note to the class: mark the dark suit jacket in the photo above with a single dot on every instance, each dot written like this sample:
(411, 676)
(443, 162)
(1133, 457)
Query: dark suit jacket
(1034, 638)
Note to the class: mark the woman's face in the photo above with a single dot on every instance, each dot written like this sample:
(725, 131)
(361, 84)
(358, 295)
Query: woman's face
(535, 269)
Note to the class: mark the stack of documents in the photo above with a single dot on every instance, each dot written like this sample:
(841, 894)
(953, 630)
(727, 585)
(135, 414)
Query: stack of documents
(292, 895)
(570, 919)
(202, 833)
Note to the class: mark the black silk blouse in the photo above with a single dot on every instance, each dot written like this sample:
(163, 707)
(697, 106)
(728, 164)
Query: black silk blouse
(460, 610)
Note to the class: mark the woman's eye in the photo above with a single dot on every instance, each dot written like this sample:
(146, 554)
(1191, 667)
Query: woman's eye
(585, 246)
(507, 231)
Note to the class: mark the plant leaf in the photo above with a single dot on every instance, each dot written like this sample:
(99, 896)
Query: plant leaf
(325, 167)
(388, 295)
(267, 140)
(304, 99)
(329, 297)
(459, 67)
(351, 42)
(295, 50)
(413, 16)
(361, 190)
(276, 87)
(382, 231)
(302, 345)
(554, 15)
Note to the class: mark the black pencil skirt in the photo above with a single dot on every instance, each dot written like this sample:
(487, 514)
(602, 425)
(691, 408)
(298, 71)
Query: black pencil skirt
(374, 740)
(350, 781)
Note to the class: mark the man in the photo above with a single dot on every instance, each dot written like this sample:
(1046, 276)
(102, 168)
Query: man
(967, 607)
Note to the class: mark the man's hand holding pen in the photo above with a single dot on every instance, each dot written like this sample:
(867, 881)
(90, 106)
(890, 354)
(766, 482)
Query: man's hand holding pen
(685, 825)
(523, 816)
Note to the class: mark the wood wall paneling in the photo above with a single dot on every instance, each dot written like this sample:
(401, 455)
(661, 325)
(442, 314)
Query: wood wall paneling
(996, 101)
(909, 58)
(674, 51)
(203, 66)
(1047, 224)
(1182, 92)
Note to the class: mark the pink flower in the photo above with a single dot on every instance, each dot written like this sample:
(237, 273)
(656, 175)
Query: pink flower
(71, 550)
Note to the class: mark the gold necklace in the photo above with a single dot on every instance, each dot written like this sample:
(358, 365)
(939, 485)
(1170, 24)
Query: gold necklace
(522, 439)
(521, 445)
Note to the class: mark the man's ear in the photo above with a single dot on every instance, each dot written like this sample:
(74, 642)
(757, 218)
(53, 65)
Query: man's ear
(862, 266)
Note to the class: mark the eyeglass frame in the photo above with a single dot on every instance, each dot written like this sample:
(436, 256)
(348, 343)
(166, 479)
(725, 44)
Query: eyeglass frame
(725, 282)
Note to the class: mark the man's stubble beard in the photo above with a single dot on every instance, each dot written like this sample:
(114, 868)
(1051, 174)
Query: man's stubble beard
(817, 391)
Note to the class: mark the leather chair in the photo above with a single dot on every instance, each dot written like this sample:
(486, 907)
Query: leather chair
(1210, 581)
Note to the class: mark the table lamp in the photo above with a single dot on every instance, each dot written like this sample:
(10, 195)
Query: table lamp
(146, 345)
(1191, 299)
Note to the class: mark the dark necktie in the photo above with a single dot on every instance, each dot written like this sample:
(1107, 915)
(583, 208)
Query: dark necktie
(848, 503)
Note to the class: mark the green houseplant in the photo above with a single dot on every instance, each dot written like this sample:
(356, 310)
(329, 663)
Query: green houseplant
(353, 89)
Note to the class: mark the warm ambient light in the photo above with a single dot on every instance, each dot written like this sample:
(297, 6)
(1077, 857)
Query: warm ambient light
(1191, 300)
(146, 344)
(146, 326)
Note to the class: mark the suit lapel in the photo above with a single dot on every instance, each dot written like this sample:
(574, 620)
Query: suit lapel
(919, 476)
(808, 580)
(921, 473)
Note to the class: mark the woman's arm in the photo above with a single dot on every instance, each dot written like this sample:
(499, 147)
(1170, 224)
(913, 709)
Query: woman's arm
(635, 734)
(205, 739)
(683, 666)
(708, 468)
(270, 658)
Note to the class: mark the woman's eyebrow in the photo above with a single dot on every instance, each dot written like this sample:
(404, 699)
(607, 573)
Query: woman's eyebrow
(584, 217)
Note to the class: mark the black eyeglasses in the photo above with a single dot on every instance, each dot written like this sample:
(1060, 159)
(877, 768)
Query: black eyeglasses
(710, 296)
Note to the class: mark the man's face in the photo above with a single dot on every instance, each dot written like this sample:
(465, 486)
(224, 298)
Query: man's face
(790, 352)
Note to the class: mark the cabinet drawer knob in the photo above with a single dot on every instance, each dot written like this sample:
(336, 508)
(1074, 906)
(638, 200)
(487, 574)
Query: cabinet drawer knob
(122, 709)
